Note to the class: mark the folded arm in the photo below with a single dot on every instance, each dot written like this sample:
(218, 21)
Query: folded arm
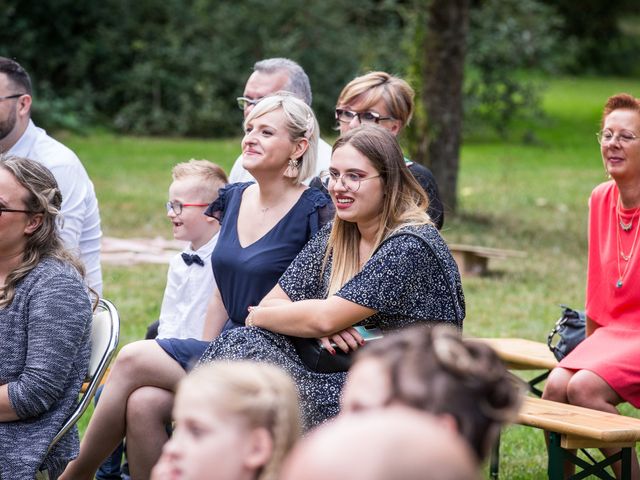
(307, 318)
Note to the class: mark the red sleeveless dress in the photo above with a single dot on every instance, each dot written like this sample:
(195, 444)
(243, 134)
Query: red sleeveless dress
(613, 297)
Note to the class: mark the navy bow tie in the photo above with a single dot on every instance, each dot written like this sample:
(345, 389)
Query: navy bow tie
(190, 259)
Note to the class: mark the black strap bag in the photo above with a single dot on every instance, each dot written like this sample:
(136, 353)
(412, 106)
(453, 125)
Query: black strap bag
(570, 327)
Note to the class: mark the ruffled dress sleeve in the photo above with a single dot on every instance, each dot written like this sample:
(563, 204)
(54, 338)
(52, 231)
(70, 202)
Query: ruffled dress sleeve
(319, 209)
(217, 207)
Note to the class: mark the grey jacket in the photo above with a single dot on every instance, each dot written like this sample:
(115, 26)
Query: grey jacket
(44, 354)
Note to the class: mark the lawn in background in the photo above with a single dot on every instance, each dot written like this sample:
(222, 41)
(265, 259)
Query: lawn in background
(524, 196)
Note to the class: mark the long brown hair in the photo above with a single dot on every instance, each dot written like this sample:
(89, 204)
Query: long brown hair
(404, 202)
(43, 198)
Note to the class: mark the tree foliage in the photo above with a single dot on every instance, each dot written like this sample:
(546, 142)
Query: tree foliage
(593, 30)
(506, 39)
(174, 67)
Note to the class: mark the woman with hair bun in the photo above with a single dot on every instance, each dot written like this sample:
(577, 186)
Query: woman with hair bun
(462, 382)
(45, 323)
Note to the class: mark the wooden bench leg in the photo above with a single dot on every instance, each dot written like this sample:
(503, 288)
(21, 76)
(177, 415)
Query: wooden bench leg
(535, 381)
(555, 469)
(558, 455)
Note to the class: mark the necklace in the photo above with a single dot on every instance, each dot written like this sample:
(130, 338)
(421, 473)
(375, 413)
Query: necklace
(626, 258)
(625, 226)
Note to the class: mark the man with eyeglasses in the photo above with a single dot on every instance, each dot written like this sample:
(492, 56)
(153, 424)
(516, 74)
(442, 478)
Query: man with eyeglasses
(19, 136)
(270, 76)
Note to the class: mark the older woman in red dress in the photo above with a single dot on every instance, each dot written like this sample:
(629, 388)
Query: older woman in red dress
(604, 370)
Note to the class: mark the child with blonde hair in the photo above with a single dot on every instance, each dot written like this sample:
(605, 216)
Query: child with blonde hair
(190, 279)
(237, 419)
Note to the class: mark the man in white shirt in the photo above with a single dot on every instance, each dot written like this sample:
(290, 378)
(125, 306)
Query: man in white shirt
(19, 136)
(270, 76)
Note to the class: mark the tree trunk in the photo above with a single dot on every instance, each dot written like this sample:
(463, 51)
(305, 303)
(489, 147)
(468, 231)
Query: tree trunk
(444, 46)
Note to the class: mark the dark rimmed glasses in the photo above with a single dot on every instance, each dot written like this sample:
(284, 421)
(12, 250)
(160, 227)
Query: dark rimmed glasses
(9, 97)
(178, 206)
(605, 137)
(245, 102)
(347, 116)
(351, 181)
(13, 210)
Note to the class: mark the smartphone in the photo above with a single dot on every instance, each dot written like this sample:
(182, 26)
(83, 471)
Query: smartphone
(367, 332)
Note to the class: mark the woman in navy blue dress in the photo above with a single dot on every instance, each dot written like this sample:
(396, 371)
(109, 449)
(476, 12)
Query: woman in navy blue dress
(381, 262)
(264, 226)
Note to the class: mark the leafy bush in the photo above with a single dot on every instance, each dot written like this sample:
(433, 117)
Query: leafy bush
(507, 37)
(174, 67)
(594, 29)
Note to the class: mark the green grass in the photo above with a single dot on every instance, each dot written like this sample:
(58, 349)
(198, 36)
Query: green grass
(529, 197)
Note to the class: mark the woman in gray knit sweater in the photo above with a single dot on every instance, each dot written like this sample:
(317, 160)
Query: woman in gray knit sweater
(45, 320)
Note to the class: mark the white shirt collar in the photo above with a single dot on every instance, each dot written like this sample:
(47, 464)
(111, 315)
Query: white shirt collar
(205, 250)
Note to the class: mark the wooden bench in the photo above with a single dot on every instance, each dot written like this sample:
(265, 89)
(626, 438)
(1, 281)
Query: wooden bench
(520, 354)
(571, 427)
(474, 260)
(523, 354)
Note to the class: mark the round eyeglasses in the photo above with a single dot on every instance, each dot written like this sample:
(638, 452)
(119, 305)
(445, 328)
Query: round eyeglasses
(178, 206)
(350, 181)
(606, 137)
(347, 116)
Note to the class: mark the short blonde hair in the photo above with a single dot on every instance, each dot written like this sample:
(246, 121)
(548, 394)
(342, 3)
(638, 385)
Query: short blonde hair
(262, 394)
(212, 177)
(371, 88)
(300, 122)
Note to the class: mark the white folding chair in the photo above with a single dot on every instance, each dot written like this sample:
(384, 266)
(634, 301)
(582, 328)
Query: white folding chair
(105, 332)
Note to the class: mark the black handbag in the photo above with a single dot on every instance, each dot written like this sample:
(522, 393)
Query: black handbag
(319, 359)
(570, 327)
